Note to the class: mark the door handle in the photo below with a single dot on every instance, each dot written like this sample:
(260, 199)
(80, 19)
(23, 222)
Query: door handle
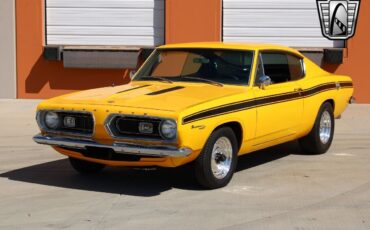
(299, 91)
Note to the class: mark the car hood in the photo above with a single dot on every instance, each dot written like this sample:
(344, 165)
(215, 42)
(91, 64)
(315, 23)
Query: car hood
(151, 95)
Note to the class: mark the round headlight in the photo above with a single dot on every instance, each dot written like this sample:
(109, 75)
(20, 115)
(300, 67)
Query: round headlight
(168, 129)
(51, 120)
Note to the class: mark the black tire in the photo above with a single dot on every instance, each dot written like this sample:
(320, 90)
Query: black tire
(85, 167)
(312, 144)
(202, 165)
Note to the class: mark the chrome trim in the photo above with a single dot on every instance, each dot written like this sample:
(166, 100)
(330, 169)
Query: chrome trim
(221, 158)
(108, 124)
(337, 85)
(118, 147)
(303, 66)
(45, 129)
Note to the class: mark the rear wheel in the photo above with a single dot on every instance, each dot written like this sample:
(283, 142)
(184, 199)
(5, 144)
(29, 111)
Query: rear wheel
(85, 167)
(319, 140)
(216, 164)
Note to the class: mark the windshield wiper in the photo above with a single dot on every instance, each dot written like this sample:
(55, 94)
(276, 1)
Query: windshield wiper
(204, 80)
(163, 79)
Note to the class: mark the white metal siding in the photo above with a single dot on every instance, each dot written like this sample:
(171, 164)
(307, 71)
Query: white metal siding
(105, 22)
(289, 22)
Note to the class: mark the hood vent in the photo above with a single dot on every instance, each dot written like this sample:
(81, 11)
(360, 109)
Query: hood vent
(139, 87)
(166, 90)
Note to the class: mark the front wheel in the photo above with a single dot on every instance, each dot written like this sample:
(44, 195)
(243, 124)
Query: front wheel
(216, 164)
(85, 167)
(318, 141)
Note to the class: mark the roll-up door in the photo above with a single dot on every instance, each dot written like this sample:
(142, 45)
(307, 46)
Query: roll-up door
(105, 22)
(293, 23)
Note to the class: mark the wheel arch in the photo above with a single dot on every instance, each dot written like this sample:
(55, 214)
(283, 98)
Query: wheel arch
(237, 129)
(331, 101)
(317, 108)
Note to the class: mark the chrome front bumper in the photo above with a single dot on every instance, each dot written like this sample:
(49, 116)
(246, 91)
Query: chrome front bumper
(118, 147)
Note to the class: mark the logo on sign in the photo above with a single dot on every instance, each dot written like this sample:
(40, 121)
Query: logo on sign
(338, 18)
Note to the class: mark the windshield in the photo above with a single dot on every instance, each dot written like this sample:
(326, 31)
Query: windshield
(198, 65)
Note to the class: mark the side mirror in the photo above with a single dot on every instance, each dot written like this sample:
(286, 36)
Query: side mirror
(264, 81)
(132, 73)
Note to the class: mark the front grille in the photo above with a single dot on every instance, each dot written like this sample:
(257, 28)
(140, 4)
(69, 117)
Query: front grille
(128, 126)
(83, 123)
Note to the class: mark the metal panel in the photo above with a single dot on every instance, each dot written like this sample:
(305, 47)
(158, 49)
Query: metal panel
(105, 22)
(100, 59)
(104, 40)
(288, 22)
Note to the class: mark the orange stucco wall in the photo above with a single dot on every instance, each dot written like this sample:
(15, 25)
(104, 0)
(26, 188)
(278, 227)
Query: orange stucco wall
(39, 78)
(357, 62)
(186, 21)
(193, 21)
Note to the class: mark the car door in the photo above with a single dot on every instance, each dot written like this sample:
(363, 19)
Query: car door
(279, 105)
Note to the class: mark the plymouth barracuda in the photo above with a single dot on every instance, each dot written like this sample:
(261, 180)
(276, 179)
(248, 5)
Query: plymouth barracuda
(199, 103)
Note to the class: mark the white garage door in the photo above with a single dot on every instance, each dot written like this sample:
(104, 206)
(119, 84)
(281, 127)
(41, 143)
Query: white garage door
(293, 23)
(105, 22)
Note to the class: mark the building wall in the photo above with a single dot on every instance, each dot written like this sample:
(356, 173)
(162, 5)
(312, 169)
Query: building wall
(185, 21)
(39, 78)
(7, 47)
(193, 21)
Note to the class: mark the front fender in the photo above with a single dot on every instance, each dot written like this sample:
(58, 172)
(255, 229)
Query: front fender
(195, 134)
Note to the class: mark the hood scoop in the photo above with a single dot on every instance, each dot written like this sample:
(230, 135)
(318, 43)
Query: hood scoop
(165, 90)
(139, 87)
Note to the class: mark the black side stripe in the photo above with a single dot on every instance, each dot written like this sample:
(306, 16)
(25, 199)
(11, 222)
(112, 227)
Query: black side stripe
(123, 91)
(166, 90)
(344, 84)
(318, 89)
(266, 97)
(262, 101)
(219, 111)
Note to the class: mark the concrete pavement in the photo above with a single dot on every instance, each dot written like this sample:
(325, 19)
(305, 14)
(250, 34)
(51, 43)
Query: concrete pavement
(278, 188)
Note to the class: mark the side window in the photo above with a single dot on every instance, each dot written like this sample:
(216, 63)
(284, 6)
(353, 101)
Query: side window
(295, 67)
(281, 67)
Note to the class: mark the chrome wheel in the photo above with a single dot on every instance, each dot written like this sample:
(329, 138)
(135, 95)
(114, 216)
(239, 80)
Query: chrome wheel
(221, 159)
(325, 127)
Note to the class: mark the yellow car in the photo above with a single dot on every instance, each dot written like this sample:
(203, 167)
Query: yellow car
(198, 103)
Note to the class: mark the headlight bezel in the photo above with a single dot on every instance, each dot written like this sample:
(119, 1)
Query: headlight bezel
(56, 119)
(40, 119)
(174, 123)
(110, 127)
